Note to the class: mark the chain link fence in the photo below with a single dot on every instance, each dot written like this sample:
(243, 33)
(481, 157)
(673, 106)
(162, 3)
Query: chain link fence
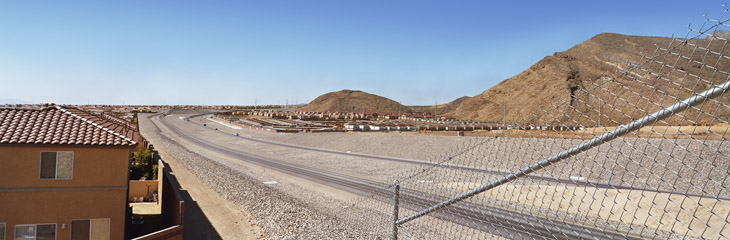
(646, 156)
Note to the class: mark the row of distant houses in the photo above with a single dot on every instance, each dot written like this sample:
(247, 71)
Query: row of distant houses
(370, 121)
(381, 127)
(321, 116)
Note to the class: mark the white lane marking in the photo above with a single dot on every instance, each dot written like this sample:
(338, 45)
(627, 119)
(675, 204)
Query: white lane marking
(225, 124)
(574, 178)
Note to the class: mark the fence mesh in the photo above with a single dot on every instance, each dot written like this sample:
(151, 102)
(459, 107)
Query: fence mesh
(667, 180)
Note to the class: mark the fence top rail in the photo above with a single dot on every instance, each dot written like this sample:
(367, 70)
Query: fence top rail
(161, 233)
(618, 132)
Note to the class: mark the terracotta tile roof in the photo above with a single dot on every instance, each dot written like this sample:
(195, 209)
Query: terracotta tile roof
(115, 124)
(60, 125)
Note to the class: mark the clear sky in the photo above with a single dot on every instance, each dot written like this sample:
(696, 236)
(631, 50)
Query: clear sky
(236, 52)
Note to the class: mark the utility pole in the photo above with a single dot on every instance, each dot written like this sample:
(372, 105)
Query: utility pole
(504, 117)
(255, 103)
(434, 109)
(599, 113)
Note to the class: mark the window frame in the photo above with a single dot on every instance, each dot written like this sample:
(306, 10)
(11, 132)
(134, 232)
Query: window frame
(35, 229)
(90, 228)
(55, 177)
(5, 230)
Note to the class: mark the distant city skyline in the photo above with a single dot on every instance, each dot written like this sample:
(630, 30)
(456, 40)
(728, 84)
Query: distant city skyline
(246, 53)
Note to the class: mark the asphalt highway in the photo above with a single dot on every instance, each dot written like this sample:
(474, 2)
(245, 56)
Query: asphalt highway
(506, 223)
(442, 164)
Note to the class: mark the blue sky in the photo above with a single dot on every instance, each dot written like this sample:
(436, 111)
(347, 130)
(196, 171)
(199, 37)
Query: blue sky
(236, 52)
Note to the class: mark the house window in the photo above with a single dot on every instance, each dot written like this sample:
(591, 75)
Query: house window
(94, 229)
(35, 232)
(57, 165)
(2, 231)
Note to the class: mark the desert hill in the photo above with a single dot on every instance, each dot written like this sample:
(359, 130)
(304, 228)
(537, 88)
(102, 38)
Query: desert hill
(353, 101)
(569, 87)
(724, 34)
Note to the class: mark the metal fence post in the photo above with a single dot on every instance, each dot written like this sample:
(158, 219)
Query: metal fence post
(396, 189)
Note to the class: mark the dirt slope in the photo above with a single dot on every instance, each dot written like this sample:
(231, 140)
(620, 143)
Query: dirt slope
(568, 87)
(353, 101)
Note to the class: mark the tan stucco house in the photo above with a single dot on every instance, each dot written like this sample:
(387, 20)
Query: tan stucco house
(63, 174)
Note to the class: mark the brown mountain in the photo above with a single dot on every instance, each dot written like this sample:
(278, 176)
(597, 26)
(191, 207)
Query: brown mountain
(353, 101)
(570, 88)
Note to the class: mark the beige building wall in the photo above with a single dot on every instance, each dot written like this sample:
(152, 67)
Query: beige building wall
(61, 207)
(93, 166)
(139, 189)
(97, 189)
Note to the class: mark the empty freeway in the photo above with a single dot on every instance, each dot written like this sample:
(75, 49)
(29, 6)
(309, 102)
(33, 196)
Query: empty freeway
(472, 215)
(442, 163)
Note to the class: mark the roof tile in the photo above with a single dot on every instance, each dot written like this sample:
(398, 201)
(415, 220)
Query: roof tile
(63, 125)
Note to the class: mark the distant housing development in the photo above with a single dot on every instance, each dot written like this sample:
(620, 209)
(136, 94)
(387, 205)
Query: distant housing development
(64, 174)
